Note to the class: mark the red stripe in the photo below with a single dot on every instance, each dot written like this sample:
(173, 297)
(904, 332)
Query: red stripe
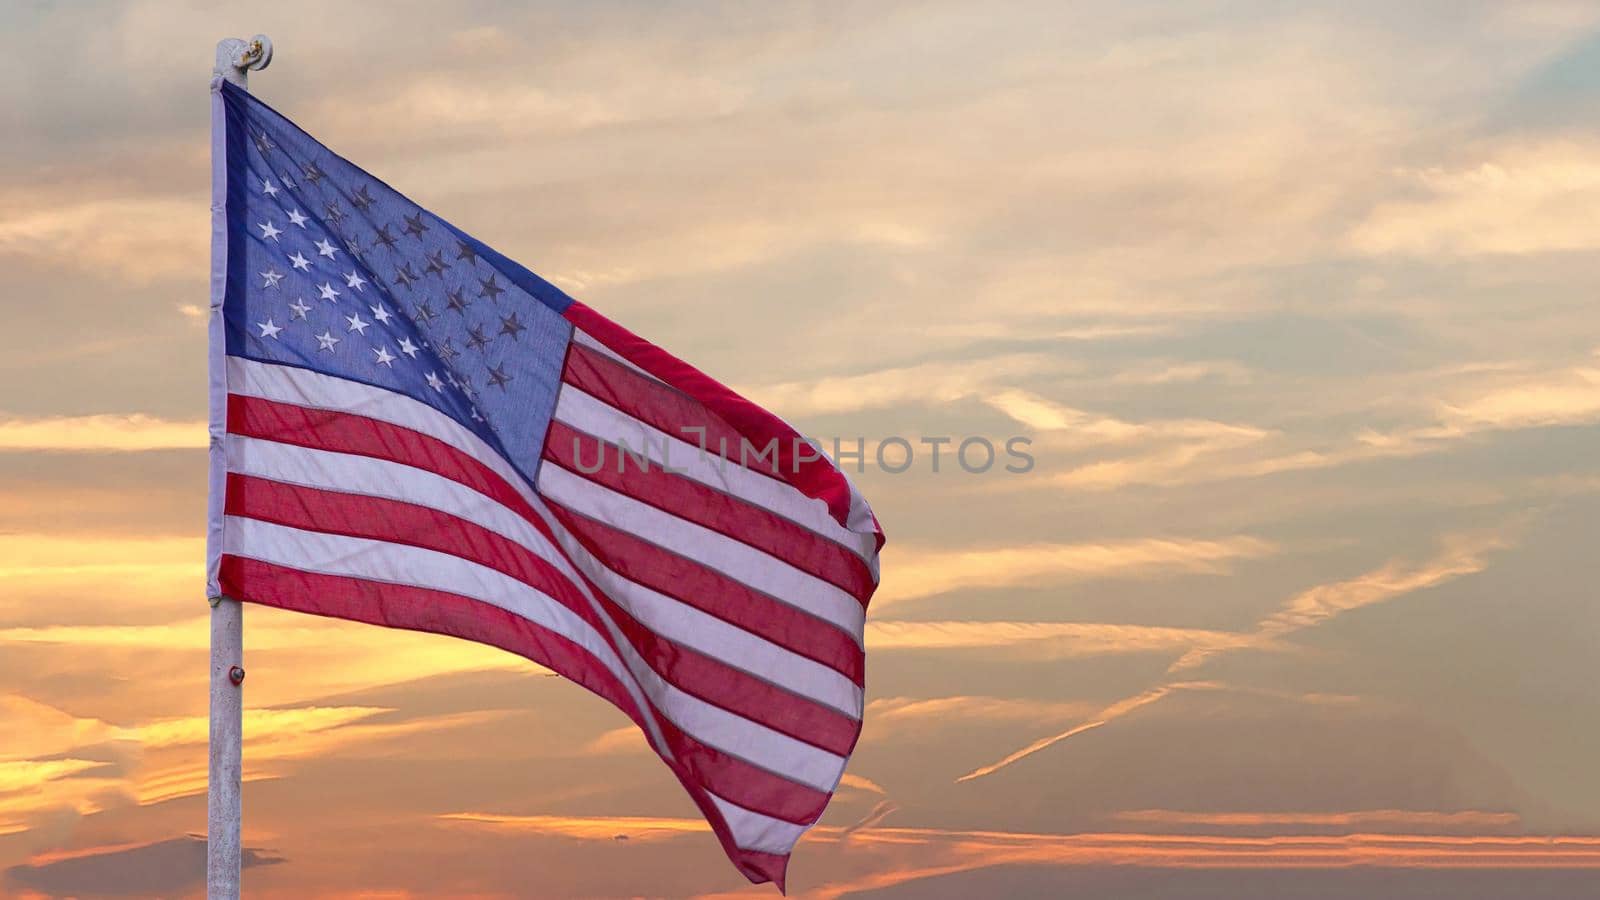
(381, 519)
(360, 436)
(751, 787)
(755, 865)
(397, 522)
(663, 407)
(722, 513)
(439, 612)
(734, 689)
(815, 478)
(420, 609)
(711, 592)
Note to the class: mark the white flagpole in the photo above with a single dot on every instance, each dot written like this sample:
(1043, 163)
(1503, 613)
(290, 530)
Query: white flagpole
(235, 58)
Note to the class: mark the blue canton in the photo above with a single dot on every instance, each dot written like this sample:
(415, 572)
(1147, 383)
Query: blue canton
(332, 270)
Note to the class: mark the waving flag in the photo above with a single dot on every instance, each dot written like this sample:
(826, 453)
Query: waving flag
(423, 434)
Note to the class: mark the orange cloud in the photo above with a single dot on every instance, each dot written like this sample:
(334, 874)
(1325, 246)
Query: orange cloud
(101, 433)
(350, 655)
(285, 735)
(874, 817)
(906, 854)
(590, 828)
(25, 774)
(1470, 818)
(56, 556)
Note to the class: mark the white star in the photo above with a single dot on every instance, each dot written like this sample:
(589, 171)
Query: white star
(328, 293)
(268, 330)
(267, 188)
(408, 348)
(435, 383)
(475, 416)
(382, 315)
(300, 308)
(324, 248)
(326, 340)
(355, 280)
(268, 231)
(357, 325)
(271, 278)
(299, 261)
(296, 217)
(385, 358)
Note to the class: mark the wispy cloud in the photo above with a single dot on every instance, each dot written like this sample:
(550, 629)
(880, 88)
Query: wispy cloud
(624, 740)
(860, 783)
(1528, 197)
(880, 811)
(889, 718)
(1483, 400)
(348, 656)
(929, 383)
(965, 708)
(296, 735)
(1109, 714)
(101, 433)
(32, 774)
(1461, 555)
(1361, 818)
(87, 764)
(58, 229)
(1048, 640)
(1179, 372)
(912, 572)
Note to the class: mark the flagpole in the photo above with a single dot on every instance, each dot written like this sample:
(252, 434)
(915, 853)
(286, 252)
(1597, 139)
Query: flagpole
(235, 57)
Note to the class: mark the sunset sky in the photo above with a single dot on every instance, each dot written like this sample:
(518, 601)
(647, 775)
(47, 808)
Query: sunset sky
(1296, 303)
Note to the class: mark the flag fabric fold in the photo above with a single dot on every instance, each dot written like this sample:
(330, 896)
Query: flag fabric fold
(421, 433)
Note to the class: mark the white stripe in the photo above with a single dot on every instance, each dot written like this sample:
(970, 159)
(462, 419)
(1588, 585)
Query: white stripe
(729, 643)
(593, 343)
(303, 387)
(353, 557)
(382, 561)
(595, 417)
(756, 831)
(796, 760)
(345, 473)
(738, 561)
(712, 725)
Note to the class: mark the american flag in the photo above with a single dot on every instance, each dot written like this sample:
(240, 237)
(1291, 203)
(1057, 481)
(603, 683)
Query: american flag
(415, 431)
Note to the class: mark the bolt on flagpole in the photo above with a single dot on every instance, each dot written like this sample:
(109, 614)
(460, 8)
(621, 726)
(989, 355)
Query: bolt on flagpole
(235, 57)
